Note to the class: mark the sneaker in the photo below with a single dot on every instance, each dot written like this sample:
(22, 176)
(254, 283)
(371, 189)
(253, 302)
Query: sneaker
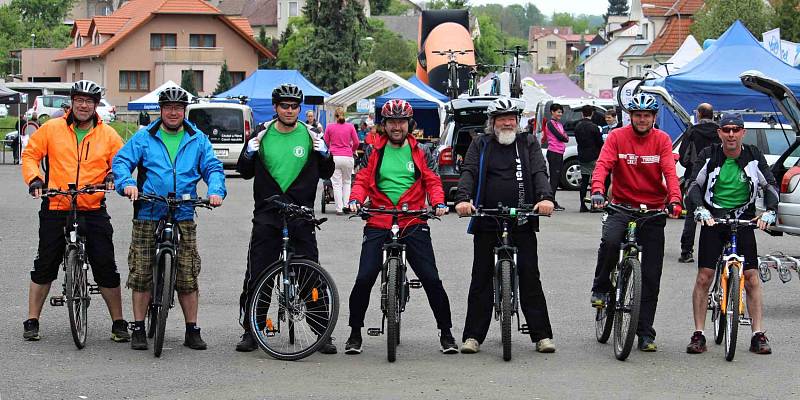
(247, 344)
(470, 346)
(599, 300)
(119, 331)
(353, 345)
(327, 346)
(31, 327)
(546, 345)
(138, 338)
(759, 344)
(559, 208)
(193, 340)
(686, 258)
(697, 344)
(647, 344)
(448, 344)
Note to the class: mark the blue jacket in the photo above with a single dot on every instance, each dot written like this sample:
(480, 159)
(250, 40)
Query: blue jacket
(156, 173)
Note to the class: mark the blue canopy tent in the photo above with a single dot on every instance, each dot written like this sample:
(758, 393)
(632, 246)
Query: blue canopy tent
(426, 112)
(713, 77)
(259, 85)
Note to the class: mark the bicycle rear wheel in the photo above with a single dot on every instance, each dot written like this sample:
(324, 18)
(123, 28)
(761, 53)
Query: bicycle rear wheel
(604, 320)
(77, 289)
(626, 316)
(292, 326)
(732, 314)
(165, 297)
(717, 316)
(392, 308)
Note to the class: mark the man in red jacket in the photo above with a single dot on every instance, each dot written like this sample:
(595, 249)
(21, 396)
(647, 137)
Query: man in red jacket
(639, 158)
(398, 172)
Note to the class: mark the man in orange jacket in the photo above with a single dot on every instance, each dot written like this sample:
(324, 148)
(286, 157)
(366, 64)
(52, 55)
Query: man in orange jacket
(77, 148)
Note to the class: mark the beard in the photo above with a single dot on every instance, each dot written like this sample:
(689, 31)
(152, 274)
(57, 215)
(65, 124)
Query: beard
(288, 124)
(506, 136)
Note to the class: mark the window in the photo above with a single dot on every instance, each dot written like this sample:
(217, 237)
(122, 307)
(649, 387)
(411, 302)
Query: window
(96, 39)
(79, 41)
(197, 40)
(551, 44)
(236, 77)
(645, 29)
(551, 61)
(777, 140)
(293, 9)
(134, 81)
(160, 40)
(197, 78)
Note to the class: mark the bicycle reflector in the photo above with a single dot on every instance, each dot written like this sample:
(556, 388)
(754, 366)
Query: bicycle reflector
(512, 212)
(314, 294)
(269, 326)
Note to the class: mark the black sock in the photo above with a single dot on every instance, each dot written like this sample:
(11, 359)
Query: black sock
(138, 325)
(355, 333)
(191, 327)
(446, 332)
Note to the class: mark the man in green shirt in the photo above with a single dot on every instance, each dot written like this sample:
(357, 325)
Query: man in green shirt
(726, 180)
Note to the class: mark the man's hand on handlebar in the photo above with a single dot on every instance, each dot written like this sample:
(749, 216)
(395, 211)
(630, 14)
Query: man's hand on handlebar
(441, 209)
(544, 207)
(109, 181)
(766, 219)
(36, 187)
(214, 200)
(132, 192)
(355, 206)
(465, 209)
(598, 200)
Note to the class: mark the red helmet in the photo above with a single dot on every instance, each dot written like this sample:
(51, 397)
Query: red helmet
(396, 109)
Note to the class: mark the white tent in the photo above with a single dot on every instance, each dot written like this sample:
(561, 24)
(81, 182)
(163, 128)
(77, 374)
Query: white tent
(150, 100)
(688, 51)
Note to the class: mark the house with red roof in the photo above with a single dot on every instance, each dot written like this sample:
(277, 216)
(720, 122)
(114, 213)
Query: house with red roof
(555, 46)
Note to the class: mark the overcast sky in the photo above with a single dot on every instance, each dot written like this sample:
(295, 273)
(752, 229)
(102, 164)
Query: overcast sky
(547, 7)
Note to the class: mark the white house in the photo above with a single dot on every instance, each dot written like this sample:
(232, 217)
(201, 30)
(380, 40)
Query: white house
(604, 65)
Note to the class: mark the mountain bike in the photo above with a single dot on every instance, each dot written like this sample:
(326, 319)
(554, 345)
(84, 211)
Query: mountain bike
(726, 296)
(621, 311)
(77, 290)
(305, 294)
(453, 87)
(395, 284)
(514, 69)
(506, 284)
(165, 264)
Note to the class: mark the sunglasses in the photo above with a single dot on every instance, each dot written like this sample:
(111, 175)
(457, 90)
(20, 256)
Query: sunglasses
(287, 106)
(734, 129)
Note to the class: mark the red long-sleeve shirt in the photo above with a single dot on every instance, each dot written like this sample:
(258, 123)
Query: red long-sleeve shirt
(639, 164)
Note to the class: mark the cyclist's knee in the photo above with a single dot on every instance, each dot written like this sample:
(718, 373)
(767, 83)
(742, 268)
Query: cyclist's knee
(751, 279)
(704, 277)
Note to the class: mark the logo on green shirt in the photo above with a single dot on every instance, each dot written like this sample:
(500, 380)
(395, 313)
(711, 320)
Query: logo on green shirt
(299, 151)
(410, 166)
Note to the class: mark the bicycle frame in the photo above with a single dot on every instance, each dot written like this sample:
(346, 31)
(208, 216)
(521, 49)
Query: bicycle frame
(730, 260)
(500, 253)
(394, 249)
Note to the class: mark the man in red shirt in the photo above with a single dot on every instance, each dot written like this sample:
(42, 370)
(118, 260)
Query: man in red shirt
(639, 158)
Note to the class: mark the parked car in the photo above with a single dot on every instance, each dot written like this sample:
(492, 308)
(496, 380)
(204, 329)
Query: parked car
(228, 126)
(44, 106)
(107, 112)
(3, 110)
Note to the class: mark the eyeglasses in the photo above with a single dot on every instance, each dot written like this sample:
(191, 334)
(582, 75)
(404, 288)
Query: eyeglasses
(80, 102)
(286, 106)
(729, 129)
(173, 108)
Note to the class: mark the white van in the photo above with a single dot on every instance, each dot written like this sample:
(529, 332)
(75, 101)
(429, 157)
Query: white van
(228, 126)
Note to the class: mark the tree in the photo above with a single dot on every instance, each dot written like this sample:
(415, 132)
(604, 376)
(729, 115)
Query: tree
(397, 8)
(224, 83)
(485, 45)
(447, 4)
(21, 18)
(579, 24)
(273, 45)
(616, 8)
(385, 50)
(187, 81)
(787, 18)
(293, 41)
(379, 7)
(718, 15)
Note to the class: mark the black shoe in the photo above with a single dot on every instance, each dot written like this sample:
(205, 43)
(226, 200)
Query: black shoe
(353, 345)
(448, 344)
(31, 327)
(559, 208)
(138, 338)
(759, 344)
(686, 258)
(247, 344)
(697, 344)
(193, 340)
(328, 347)
(119, 331)
(584, 210)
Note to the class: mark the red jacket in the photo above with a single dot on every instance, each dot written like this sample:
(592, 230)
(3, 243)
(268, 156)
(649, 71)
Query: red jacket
(427, 185)
(639, 164)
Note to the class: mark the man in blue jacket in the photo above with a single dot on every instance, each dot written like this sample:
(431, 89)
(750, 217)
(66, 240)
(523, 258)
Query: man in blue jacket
(171, 155)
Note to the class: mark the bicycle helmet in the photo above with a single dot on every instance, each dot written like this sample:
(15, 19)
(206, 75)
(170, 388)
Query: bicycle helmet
(397, 109)
(173, 94)
(287, 91)
(86, 88)
(502, 105)
(643, 102)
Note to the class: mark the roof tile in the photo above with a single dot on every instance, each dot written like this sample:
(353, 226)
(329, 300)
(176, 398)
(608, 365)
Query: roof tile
(664, 8)
(671, 37)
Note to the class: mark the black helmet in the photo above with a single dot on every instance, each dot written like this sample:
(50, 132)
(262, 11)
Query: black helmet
(287, 91)
(86, 88)
(173, 94)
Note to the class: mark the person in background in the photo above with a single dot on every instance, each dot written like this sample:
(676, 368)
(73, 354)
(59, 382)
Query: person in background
(611, 123)
(590, 141)
(312, 123)
(342, 141)
(64, 110)
(556, 145)
(363, 130)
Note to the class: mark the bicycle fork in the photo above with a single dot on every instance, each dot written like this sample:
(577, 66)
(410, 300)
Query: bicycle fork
(724, 284)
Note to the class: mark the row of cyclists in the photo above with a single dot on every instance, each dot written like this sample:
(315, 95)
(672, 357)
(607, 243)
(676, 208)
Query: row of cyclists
(284, 157)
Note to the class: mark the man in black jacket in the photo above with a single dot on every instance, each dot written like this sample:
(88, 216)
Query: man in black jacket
(696, 138)
(590, 141)
(504, 166)
(286, 159)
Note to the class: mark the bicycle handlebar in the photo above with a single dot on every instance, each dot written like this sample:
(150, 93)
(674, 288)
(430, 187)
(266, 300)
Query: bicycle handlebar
(294, 210)
(425, 214)
(733, 221)
(653, 212)
(88, 189)
(507, 212)
(172, 201)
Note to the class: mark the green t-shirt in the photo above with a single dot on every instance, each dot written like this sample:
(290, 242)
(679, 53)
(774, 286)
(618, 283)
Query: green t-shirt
(81, 133)
(172, 141)
(397, 171)
(732, 189)
(285, 154)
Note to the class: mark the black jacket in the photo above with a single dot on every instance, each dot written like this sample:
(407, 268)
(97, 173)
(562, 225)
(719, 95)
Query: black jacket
(302, 191)
(702, 135)
(589, 139)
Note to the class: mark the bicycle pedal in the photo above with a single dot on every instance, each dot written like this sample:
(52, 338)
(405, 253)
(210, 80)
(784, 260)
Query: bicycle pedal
(374, 331)
(57, 301)
(415, 284)
(745, 321)
(524, 329)
(94, 289)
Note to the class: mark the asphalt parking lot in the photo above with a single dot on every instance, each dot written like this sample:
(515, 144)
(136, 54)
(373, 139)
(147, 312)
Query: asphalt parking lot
(581, 368)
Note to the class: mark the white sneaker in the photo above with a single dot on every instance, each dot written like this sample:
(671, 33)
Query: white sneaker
(546, 345)
(470, 346)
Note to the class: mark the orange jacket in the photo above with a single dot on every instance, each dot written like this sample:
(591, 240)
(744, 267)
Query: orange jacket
(67, 162)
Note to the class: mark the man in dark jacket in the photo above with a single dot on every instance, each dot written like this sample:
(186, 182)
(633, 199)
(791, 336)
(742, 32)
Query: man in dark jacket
(286, 159)
(696, 138)
(504, 166)
(590, 141)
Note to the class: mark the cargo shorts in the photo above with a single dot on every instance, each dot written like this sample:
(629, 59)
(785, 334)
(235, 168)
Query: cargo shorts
(143, 249)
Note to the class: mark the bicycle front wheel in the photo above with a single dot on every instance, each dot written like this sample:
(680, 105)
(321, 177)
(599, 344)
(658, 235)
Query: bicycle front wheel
(732, 314)
(717, 316)
(165, 296)
(290, 321)
(626, 316)
(77, 289)
(505, 307)
(392, 308)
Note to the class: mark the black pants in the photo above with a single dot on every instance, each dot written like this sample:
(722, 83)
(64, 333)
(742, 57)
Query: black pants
(265, 248)
(419, 253)
(584, 187)
(95, 226)
(650, 235)
(480, 302)
(688, 234)
(555, 162)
